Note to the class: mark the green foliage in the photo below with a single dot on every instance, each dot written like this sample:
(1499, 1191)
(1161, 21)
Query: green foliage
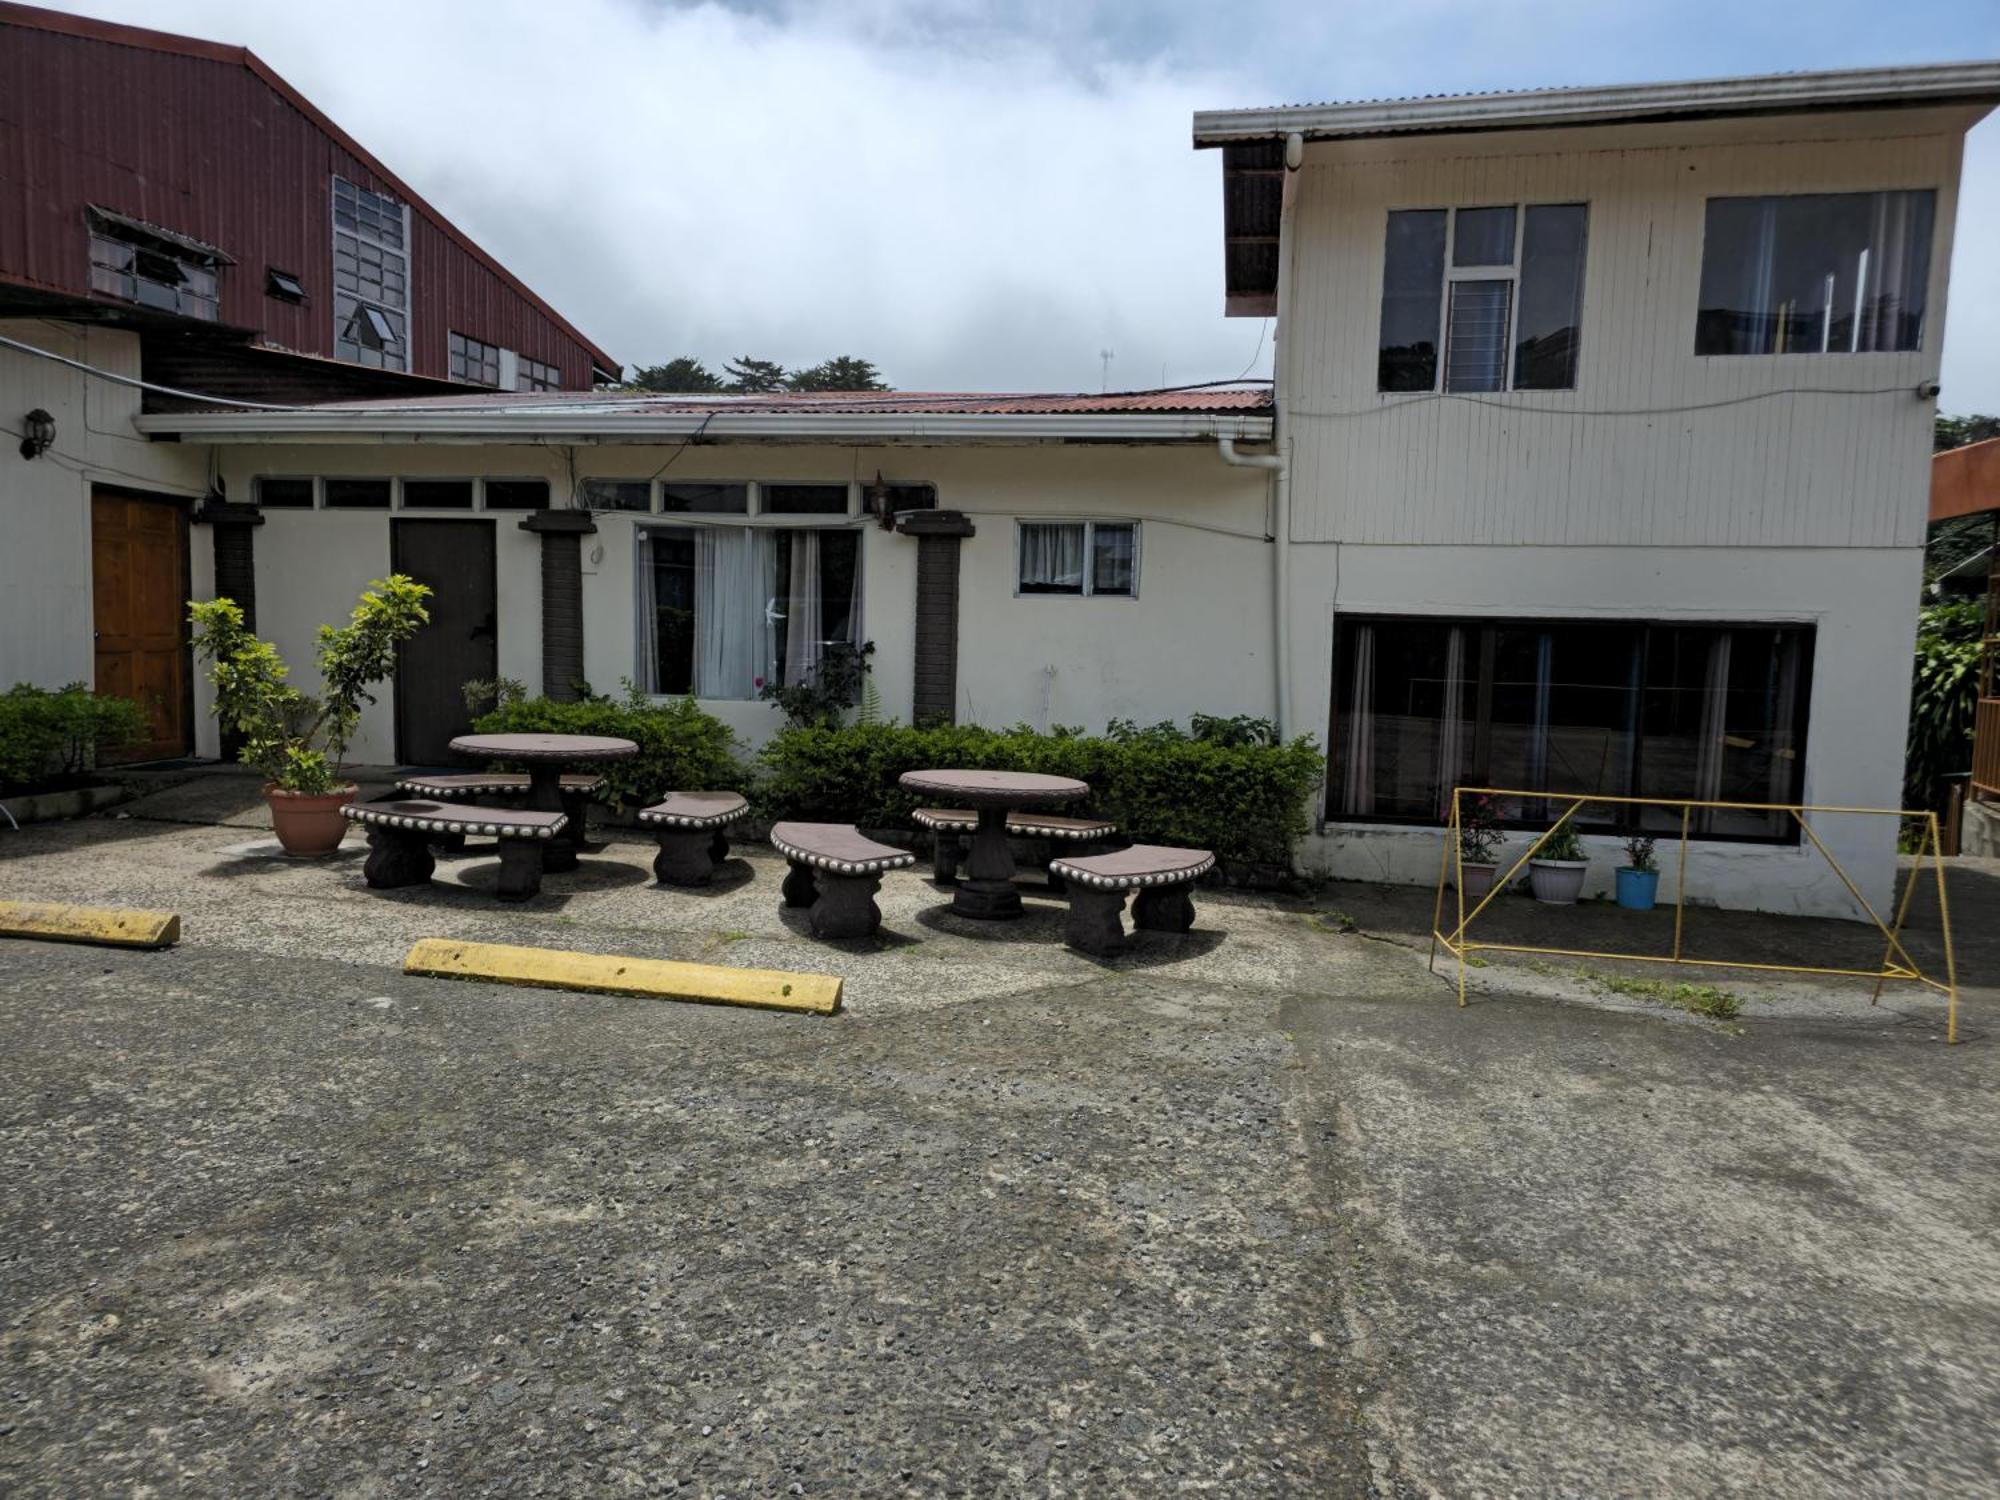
(1479, 834)
(482, 694)
(1562, 844)
(681, 748)
(1639, 853)
(296, 739)
(55, 734)
(1699, 999)
(1944, 699)
(833, 688)
(754, 377)
(1956, 432)
(1160, 785)
(842, 373)
(683, 373)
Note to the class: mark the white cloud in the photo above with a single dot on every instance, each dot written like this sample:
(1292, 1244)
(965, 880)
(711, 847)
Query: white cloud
(973, 193)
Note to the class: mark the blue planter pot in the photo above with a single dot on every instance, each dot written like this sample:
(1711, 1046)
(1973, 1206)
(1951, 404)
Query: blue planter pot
(1637, 888)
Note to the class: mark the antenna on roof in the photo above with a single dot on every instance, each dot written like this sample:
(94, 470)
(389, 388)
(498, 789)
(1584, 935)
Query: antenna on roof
(1104, 376)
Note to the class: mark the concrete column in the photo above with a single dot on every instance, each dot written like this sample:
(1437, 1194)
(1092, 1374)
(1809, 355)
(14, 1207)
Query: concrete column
(562, 533)
(934, 670)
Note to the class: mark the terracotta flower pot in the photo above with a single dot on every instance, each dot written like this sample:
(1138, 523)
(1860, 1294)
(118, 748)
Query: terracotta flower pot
(1477, 879)
(309, 824)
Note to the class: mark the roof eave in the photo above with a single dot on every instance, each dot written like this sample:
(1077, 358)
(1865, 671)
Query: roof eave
(534, 426)
(1973, 83)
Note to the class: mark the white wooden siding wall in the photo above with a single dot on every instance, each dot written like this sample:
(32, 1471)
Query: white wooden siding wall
(1532, 468)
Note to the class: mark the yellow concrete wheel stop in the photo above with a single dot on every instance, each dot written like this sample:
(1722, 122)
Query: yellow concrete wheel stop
(608, 974)
(106, 926)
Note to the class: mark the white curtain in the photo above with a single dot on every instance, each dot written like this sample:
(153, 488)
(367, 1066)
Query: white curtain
(647, 625)
(1889, 281)
(805, 631)
(1451, 720)
(1358, 785)
(733, 567)
(1052, 556)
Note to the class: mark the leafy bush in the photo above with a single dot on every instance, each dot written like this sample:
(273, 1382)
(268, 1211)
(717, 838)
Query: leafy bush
(839, 682)
(49, 735)
(1944, 699)
(294, 738)
(1160, 785)
(681, 748)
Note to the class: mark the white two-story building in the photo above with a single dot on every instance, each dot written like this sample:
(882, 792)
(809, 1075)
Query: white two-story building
(1597, 463)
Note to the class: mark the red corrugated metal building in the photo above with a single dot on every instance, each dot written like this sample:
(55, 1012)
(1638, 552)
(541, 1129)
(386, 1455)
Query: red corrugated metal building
(125, 152)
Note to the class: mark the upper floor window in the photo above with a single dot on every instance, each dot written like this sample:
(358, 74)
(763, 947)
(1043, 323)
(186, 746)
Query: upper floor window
(371, 277)
(1815, 273)
(1482, 299)
(533, 375)
(167, 272)
(474, 362)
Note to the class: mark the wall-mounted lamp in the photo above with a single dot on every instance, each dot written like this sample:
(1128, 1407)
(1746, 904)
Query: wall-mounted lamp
(877, 496)
(40, 435)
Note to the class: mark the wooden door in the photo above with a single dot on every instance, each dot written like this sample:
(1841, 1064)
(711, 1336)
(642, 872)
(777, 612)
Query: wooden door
(460, 645)
(139, 592)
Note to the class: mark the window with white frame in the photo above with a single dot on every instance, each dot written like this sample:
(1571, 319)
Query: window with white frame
(371, 277)
(533, 375)
(1079, 558)
(473, 361)
(1482, 299)
(1815, 273)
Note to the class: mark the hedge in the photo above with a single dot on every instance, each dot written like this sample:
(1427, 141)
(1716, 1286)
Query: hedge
(681, 748)
(1245, 801)
(53, 735)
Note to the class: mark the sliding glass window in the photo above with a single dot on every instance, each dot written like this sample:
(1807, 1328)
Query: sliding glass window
(1712, 712)
(724, 610)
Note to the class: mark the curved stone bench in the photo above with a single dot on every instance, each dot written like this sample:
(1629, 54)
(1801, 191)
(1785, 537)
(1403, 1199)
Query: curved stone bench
(578, 787)
(1099, 884)
(950, 824)
(690, 828)
(836, 871)
(400, 835)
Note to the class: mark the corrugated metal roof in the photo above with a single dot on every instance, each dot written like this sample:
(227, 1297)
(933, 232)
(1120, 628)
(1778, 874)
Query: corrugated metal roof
(1229, 398)
(1496, 109)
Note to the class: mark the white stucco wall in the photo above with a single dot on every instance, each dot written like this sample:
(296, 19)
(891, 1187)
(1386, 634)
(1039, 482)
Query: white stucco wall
(1195, 640)
(45, 559)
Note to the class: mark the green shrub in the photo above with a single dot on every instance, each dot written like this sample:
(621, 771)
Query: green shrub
(681, 748)
(1242, 799)
(55, 734)
(298, 740)
(1944, 698)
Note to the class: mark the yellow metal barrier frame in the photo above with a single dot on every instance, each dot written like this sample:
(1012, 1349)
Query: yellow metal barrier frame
(1451, 863)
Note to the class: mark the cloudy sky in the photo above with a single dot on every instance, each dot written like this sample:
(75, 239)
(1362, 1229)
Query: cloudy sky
(974, 195)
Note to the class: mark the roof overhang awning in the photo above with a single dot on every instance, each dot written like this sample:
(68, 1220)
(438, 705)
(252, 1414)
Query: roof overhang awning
(1966, 481)
(106, 218)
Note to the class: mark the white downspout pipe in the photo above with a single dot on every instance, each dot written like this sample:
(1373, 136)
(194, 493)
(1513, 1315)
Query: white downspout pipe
(1278, 461)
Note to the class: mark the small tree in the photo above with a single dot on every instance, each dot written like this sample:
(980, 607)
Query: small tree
(833, 687)
(682, 373)
(842, 373)
(298, 740)
(755, 377)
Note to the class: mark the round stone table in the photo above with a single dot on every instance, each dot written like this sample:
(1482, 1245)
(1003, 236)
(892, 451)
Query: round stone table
(546, 756)
(987, 891)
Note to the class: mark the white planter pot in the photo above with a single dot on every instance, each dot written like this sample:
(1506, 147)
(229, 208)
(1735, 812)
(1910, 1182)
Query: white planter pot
(1557, 882)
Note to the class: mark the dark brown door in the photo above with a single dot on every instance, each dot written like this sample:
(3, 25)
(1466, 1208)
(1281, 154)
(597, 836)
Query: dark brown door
(139, 590)
(460, 645)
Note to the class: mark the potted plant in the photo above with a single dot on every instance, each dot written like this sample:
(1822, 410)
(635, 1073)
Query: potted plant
(1479, 841)
(297, 740)
(1556, 872)
(1639, 878)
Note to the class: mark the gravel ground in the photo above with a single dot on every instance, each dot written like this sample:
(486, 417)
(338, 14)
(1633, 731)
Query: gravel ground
(1256, 1211)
